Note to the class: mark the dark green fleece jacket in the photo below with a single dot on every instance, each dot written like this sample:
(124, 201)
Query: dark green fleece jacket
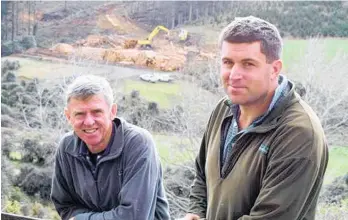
(274, 172)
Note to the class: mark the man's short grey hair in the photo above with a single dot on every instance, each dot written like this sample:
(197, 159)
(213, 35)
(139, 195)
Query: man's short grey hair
(86, 86)
(251, 29)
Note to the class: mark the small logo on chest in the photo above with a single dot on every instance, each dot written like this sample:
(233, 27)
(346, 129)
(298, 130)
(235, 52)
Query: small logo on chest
(263, 148)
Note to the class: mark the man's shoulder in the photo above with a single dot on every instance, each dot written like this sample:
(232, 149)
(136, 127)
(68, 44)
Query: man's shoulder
(222, 108)
(134, 134)
(138, 142)
(66, 141)
(301, 116)
(300, 124)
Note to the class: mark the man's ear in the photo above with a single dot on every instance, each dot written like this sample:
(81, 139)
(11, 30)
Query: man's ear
(277, 66)
(67, 114)
(113, 111)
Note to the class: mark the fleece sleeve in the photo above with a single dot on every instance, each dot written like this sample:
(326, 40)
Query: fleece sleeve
(198, 195)
(64, 202)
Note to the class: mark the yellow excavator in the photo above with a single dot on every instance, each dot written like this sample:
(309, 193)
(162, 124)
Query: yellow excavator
(147, 43)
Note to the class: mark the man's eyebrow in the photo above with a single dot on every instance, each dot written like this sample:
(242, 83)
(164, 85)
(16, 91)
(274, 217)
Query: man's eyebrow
(226, 58)
(97, 110)
(78, 112)
(250, 60)
(243, 60)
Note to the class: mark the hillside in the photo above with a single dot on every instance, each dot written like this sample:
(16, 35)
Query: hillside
(103, 31)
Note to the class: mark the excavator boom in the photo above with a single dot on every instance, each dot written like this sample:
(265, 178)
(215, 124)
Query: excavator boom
(155, 32)
(148, 41)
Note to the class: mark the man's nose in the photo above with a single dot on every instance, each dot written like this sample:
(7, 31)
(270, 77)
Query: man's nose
(235, 73)
(89, 120)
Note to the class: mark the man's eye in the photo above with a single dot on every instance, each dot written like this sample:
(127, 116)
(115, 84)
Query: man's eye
(78, 114)
(98, 112)
(248, 64)
(227, 62)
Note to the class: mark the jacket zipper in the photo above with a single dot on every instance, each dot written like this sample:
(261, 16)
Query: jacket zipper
(93, 169)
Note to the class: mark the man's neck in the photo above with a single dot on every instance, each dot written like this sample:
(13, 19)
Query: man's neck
(248, 113)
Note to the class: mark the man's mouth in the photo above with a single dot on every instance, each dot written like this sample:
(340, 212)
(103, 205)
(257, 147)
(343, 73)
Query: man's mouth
(236, 86)
(90, 131)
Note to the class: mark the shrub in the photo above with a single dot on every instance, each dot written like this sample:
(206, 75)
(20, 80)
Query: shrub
(36, 181)
(28, 42)
(26, 209)
(12, 207)
(38, 210)
(9, 47)
(7, 121)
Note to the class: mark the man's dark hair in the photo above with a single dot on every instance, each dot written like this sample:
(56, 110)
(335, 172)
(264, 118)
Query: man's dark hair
(251, 29)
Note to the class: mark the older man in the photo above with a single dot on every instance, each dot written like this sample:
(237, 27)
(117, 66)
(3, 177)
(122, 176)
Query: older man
(106, 168)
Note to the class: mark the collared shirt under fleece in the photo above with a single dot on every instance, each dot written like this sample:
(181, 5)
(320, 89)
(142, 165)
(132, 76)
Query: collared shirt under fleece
(275, 170)
(126, 183)
(233, 129)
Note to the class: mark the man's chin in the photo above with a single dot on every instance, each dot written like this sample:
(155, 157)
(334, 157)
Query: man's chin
(92, 144)
(237, 99)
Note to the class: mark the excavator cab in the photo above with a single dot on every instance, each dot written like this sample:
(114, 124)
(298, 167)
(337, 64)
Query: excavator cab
(183, 35)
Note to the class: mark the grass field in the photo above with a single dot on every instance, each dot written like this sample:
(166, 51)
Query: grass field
(338, 163)
(173, 149)
(31, 68)
(162, 93)
(294, 50)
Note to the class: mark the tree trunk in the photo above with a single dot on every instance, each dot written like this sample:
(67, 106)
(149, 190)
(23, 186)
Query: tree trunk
(17, 18)
(197, 13)
(213, 8)
(6, 26)
(29, 18)
(173, 17)
(4, 7)
(13, 21)
(190, 11)
(34, 19)
(179, 19)
(206, 9)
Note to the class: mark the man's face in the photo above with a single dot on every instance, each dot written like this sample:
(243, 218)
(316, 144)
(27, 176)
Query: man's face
(246, 76)
(91, 120)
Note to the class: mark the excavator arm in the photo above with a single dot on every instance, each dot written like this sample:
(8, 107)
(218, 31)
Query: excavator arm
(147, 43)
(155, 32)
